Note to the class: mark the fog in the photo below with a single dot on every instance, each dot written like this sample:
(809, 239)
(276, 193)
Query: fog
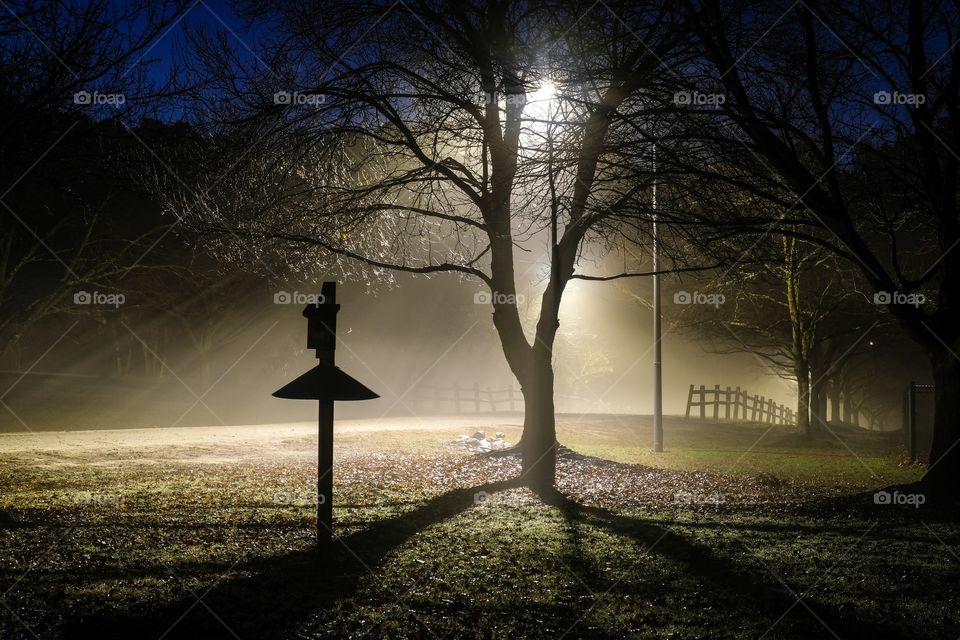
(402, 341)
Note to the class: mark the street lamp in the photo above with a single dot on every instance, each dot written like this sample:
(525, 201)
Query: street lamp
(657, 361)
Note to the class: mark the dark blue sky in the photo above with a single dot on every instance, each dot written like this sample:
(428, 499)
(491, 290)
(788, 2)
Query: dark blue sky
(213, 14)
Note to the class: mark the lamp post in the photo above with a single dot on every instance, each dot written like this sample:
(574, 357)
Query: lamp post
(657, 356)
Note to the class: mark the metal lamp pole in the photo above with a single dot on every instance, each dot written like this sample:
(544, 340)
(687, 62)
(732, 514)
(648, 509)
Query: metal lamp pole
(657, 360)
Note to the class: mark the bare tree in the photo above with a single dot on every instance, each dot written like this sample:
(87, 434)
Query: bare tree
(440, 137)
(793, 309)
(846, 116)
(70, 73)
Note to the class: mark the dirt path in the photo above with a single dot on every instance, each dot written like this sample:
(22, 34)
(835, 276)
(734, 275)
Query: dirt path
(248, 436)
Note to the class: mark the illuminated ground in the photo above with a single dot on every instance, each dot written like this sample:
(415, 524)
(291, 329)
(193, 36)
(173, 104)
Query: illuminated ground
(117, 534)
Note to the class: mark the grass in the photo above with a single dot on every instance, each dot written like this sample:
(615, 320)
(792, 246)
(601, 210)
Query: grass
(148, 541)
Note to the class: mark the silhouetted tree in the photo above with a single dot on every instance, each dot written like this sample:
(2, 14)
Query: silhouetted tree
(440, 137)
(69, 73)
(805, 85)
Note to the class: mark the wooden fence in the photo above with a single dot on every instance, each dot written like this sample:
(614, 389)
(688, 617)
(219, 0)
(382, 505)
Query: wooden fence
(468, 399)
(738, 405)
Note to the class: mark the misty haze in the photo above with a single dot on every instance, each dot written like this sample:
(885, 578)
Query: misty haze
(480, 319)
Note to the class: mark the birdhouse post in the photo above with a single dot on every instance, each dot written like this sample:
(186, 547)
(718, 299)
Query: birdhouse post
(325, 383)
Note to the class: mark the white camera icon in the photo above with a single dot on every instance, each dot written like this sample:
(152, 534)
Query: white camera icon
(682, 297)
(82, 297)
(882, 497)
(882, 297)
(282, 97)
(480, 497)
(282, 297)
(682, 97)
(82, 97)
(481, 297)
(882, 97)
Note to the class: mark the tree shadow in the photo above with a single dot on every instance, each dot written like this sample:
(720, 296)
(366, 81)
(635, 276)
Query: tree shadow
(754, 596)
(272, 597)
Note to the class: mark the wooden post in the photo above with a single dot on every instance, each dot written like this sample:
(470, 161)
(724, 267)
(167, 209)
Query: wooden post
(493, 402)
(912, 421)
(325, 476)
(476, 397)
(703, 402)
(716, 403)
(510, 392)
(323, 337)
(736, 405)
(726, 405)
(689, 401)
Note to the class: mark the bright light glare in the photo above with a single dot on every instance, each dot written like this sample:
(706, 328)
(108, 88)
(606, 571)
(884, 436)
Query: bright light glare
(544, 94)
(540, 106)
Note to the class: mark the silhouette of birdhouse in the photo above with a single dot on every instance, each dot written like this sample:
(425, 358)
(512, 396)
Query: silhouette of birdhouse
(326, 383)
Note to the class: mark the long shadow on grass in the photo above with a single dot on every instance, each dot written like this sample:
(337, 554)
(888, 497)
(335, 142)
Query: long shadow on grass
(272, 597)
(275, 595)
(730, 597)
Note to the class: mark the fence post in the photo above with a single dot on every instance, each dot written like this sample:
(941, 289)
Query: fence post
(716, 403)
(753, 414)
(912, 422)
(703, 402)
(476, 397)
(726, 405)
(493, 402)
(510, 391)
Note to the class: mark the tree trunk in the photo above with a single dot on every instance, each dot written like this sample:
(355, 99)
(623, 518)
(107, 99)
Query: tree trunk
(802, 372)
(834, 400)
(818, 403)
(539, 441)
(943, 475)
(847, 404)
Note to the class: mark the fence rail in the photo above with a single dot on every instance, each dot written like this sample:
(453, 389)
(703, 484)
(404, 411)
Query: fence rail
(738, 405)
(474, 399)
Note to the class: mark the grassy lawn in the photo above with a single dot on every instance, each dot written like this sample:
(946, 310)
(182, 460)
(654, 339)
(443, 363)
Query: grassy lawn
(722, 536)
